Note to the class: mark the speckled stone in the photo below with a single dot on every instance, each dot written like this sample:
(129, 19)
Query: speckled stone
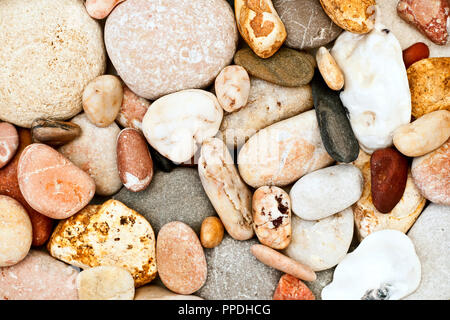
(174, 196)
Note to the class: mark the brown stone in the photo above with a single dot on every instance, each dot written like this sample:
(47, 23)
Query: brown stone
(133, 110)
(9, 142)
(54, 132)
(291, 288)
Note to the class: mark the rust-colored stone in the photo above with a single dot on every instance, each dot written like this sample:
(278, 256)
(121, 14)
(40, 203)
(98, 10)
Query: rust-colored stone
(291, 288)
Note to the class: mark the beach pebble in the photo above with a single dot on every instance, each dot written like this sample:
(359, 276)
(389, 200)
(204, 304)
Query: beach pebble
(15, 232)
(323, 243)
(232, 88)
(431, 237)
(110, 234)
(288, 67)
(38, 277)
(100, 9)
(134, 161)
(181, 260)
(414, 53)
(335, 128)
(229, 195)
(156, 292)
(278, 261)
(9, 142)
(431, 174)
(132, 110)
(329, 69)
(271, 208)
(155, 57)
(53, 132)
(388, 175)
(291, 288)
(211, 232)
(51, 184)
(177, 122)
(61, 50)
(102, 98)
(416, 139)
(368, 219)
(353, 16)
(283, 152)
(327, 191)
(9, 186)
(376, 95)
(95, 152)
(267, 104)
(105, 283)
(429, 85)
(307, 25)
(260, 26)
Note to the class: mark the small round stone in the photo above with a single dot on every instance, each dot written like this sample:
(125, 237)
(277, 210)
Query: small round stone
(232, 88)
(9, 142)
(291, 288)
(211, 232)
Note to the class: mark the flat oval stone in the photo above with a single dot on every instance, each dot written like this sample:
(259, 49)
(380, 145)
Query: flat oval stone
(327, 191)
(156, 292)
(51, 184)
(283, 152)
(9, 142)
(132, 110)
(232, 87)
(38, 277)
(291, 288)
(181, 260)
(134, 162)
(54, 132)
(335, 128)
(287, 67)
(15, 232)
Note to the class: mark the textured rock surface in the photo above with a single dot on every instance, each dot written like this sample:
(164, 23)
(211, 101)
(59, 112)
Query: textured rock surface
(61, 50)
(155, 56)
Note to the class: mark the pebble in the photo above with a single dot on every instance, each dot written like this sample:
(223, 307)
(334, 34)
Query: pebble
(327, 191)
(414, 53)
(134, 161)
(51, 184)
(416, 139)
(177, 122)
(160, 202)
(9, 186)
(155, 292)
(429, 85)
(61, 50)
(228, 273)
(38, 277)
(353, 16)
(291, 288)
(329, 69)
(100, 9)
(229, 195)
(388, 175)
(9, 142)
(431, 174)
(15, 232)
(288, 67)
(323, 243)
(267, 104)
(278, 261)
(105, 283)
(368, 219)
(335, 128)
(271, 208)
(95, 152)
(211, 232)
(260, 26)
(110, 234)
(155, 61)
(304, 32)
(181, 260)
(102, 98)
(376, 95)
(132, 110)
(431, 237)
(283, 152)
(53, 132)
(232, 87)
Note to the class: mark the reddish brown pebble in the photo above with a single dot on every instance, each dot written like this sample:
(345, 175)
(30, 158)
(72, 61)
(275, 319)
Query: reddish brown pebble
(389, 172)
(414, 53)
(180, 258)
(54, 133)
(211, 232)
(133, 110)
(51, 184)
(134, 160)
(9, 186)
(9, 142)
(291, 288)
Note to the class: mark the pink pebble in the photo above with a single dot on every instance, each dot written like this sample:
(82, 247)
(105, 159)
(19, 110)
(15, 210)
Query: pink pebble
(9, 142)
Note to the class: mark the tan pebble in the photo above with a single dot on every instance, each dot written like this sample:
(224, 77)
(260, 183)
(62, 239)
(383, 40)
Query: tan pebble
(102, 99)
(9, 142)
(133, 110)
(211, 232)
(232, 88)
(155, 292)
(329, 69)
(100, 9)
